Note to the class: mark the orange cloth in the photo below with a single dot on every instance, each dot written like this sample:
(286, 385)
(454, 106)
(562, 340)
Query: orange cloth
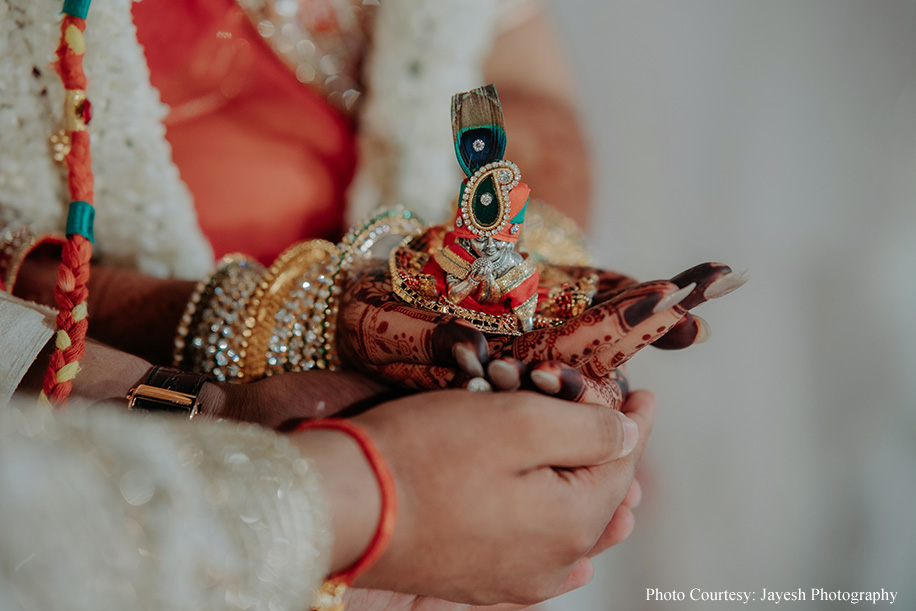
(267, 159)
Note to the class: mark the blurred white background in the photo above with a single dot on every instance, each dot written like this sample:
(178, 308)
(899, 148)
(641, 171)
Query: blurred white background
(780, 136)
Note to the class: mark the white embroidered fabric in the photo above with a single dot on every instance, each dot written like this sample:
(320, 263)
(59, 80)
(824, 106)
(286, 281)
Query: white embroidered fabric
(145, 216)
(103, 509)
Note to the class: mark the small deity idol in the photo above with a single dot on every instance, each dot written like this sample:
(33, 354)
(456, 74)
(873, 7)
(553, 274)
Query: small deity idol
(477, 267)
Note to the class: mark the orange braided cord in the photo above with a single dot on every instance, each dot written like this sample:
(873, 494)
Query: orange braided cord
(71, 292)
(69, 64)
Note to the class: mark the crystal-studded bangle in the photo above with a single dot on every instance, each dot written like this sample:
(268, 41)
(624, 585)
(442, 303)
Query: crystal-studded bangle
(210, 335)
(285, 328)
(292, 318)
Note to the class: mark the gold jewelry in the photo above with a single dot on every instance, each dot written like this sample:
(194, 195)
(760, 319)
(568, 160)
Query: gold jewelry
(285, 324)
(291, 321)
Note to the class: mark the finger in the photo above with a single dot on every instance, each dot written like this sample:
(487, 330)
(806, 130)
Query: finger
(640, 408)
(665, 315)
(506, 374)
(554, 378)
(697, 285)
(571, 435)
(619, 528)
(689, 330)
(711, 280)
(599, 337)
(610, 333)
(634, 495)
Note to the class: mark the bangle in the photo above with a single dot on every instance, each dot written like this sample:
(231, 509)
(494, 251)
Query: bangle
(168, 390)
(209, 338)
(292, 318)
(331, 591)
(285, 329)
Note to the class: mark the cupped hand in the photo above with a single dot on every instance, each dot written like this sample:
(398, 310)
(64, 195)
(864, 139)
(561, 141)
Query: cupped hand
(620, 527)
(502, 500)
(382, 336)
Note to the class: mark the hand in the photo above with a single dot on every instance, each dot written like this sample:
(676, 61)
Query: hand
(559, 380)
(626, 318)
(384, 337)
(387, 338)
(360, 599)
(533, 481)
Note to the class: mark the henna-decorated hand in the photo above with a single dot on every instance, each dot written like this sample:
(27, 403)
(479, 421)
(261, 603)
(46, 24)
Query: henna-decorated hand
(383, 336)
(558, 380)
(626, 318)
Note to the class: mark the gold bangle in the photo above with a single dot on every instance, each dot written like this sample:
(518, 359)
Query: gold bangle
(291, 323)
(284, 327)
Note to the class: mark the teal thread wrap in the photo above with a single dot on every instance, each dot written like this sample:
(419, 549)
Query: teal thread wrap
(80, 218)
(76, 8)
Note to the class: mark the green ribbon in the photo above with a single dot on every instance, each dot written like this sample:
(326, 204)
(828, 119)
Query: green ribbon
(77, 8)
(80, 218)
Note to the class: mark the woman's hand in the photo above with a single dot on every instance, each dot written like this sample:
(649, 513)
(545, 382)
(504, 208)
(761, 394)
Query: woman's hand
(381, 335)
(531, 480)
(624, 321)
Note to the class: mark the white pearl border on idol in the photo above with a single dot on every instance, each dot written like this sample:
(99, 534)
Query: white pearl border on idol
(504, 188)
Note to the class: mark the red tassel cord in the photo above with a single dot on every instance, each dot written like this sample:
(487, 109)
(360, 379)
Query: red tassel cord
(71, 292)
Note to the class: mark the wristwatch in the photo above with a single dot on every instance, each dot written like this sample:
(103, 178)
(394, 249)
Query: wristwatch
(168, 390)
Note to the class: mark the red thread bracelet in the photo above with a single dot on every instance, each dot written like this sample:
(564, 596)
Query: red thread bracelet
(388, 498)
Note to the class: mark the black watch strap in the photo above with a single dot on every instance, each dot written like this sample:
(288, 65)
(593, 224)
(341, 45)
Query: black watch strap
(168, 390)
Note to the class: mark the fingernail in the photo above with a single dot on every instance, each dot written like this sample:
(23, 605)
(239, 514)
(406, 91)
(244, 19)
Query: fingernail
(702, 330)
(673, 299)
(547, 382)
(467, 360)
(504, 375)
(478, 385)
(726, 284)
(630, 435)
